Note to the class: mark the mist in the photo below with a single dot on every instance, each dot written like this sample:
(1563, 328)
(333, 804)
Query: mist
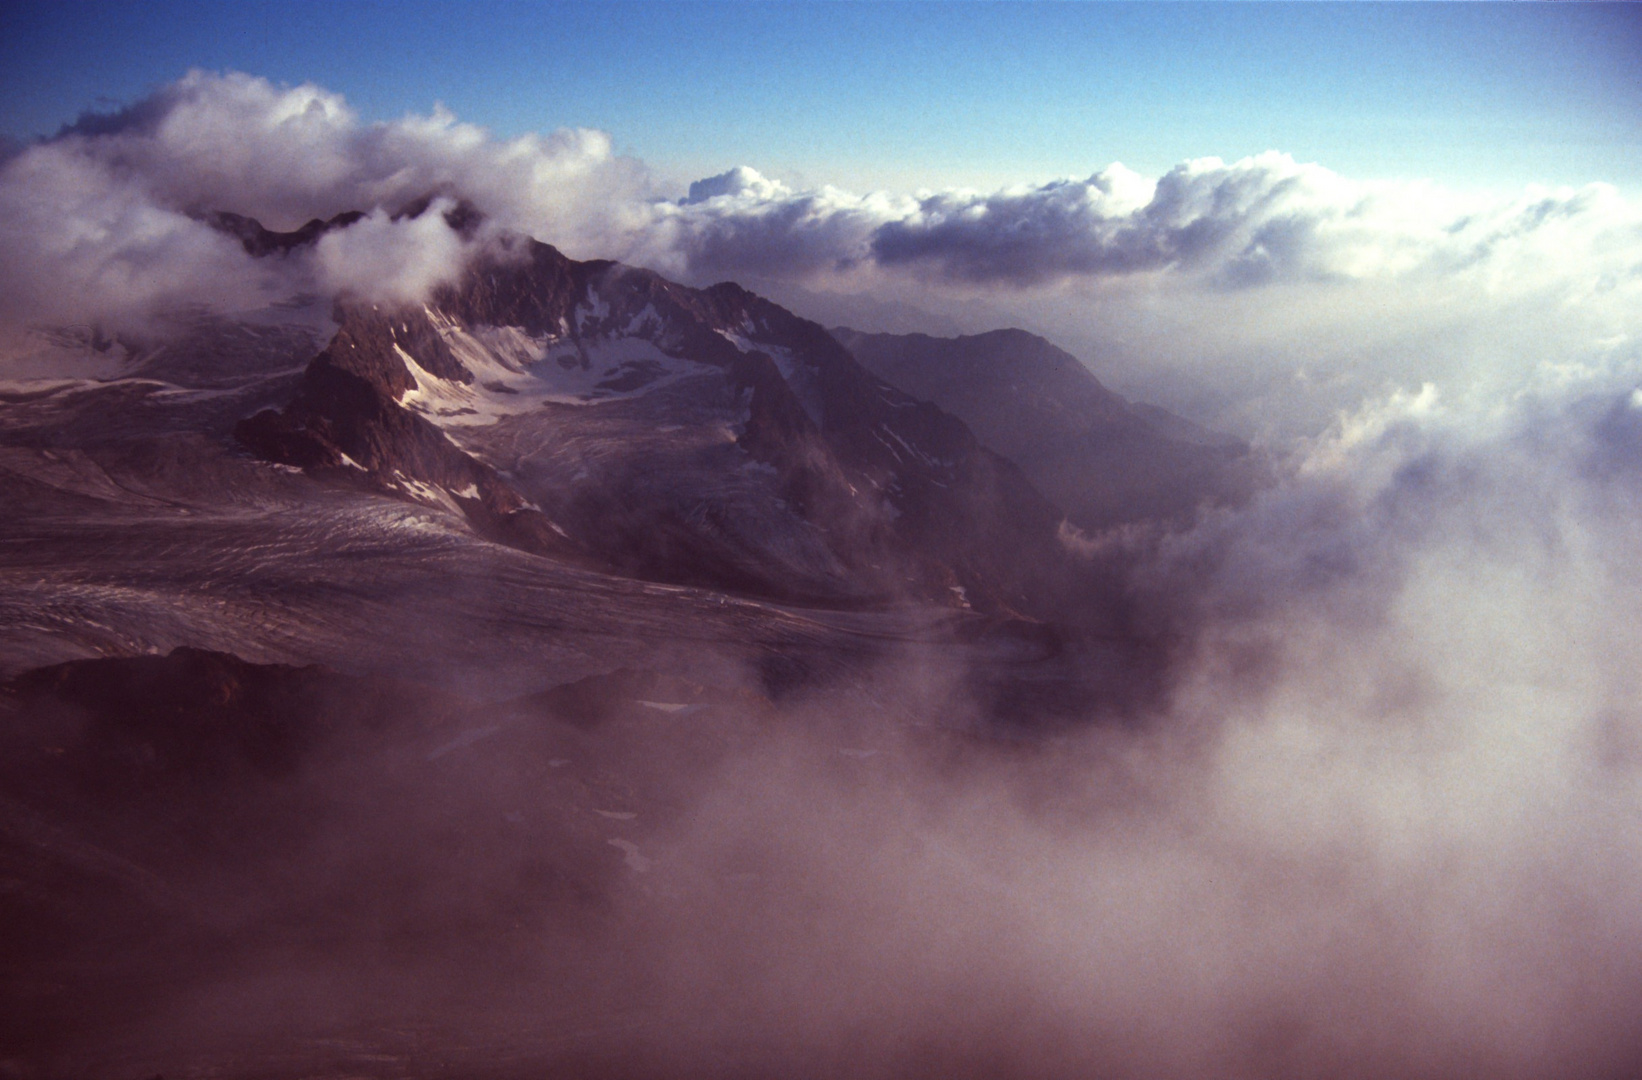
(1384, 824)
(1381, 823)
(1380, 817)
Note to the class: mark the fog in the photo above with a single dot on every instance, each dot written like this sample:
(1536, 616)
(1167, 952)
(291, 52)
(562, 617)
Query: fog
(1383, 825)
(1383, 820)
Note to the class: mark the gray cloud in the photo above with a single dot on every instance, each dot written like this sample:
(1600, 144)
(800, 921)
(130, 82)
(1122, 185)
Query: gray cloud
(741, 221)
(1260, 220)
(1026, 237)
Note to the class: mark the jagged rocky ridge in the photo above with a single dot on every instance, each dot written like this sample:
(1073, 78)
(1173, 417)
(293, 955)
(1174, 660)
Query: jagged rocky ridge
(601, 413)
(259, 240)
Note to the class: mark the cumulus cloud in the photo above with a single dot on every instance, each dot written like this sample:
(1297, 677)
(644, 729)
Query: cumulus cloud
(102, 221)
(383, 259)
(287, 154)
(80, 239)
(741, 221)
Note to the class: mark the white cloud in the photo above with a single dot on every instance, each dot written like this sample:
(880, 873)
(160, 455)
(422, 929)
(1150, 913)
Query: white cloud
(380, 259)
(99, 223)
(1258, 220)
(81, 241)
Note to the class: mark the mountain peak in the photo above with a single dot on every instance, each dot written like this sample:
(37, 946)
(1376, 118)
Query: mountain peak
(602, 413)
(461, 216)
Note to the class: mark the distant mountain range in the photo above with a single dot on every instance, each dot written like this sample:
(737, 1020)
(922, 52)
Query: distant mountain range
(1104, 460)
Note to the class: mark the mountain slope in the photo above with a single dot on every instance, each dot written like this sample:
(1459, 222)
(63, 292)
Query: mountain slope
(1104, 460)
(217, 858)
(598, 412)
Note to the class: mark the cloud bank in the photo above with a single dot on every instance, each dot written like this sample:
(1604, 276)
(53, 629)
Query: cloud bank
(287, 154)
(1260, 220)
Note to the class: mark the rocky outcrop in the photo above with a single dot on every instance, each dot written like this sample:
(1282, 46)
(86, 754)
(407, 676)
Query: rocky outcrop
(199, 718)
(259, 241)
(346, 415)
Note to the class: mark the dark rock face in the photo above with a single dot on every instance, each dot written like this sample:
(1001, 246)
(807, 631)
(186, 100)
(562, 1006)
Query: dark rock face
(1104, 460)
(346, 413)
(866, 493)
(166, 822)
(259, 241)
(197, 717)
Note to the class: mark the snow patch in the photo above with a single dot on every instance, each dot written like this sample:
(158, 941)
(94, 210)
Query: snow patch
(425, 492)
(799, 376)
(595, 310)
(673, 708)
(646, 321)
(635, 862)
(516, 374)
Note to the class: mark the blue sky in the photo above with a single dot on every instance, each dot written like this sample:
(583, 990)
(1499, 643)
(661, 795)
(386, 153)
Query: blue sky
(908, 95)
